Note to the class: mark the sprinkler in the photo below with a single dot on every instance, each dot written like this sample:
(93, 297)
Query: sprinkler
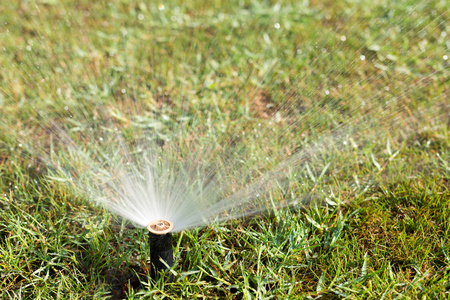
(160, 240)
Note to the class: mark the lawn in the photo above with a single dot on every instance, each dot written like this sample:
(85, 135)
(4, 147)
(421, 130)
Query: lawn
(327, 120)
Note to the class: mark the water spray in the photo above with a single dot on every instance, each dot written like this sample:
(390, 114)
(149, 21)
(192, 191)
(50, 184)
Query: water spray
(161, 252)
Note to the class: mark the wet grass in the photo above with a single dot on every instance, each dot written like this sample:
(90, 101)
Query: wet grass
(263, 80)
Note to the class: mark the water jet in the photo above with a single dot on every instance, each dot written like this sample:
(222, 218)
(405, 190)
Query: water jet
(161, 252)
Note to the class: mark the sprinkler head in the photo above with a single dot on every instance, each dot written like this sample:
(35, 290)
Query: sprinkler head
(161, 252)
(160, 227)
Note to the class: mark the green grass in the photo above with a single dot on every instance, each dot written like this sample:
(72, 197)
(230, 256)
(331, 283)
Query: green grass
(372, 224)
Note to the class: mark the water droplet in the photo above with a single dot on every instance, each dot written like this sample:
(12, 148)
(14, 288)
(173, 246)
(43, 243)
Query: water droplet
(277, 25)
(362, 57)
(343, 38)
(161, 7)
(101, 139)
(20, 145)
(445, 57)
(141, 17)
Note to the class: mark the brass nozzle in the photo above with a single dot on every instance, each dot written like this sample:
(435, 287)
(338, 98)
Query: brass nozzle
(160, 227)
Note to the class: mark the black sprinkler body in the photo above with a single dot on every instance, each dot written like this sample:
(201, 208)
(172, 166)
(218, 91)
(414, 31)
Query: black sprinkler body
(160, 240)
